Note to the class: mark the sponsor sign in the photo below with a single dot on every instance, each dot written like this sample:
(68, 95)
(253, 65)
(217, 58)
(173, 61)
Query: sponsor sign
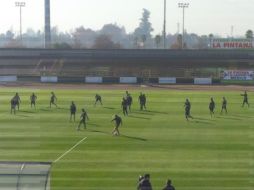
(167, 80)
(203, 81)
(232, 44)
(49, 79)
(8, 78)
(93, 80)
(128, 80)
(238, 75)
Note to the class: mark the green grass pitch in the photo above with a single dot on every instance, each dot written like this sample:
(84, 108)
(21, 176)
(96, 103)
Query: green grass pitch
(202, 154)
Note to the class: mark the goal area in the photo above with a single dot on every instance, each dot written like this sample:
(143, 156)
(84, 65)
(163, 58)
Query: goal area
(25, 175)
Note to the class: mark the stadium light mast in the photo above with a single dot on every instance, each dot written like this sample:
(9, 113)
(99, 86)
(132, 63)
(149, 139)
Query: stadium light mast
(164, 24)
(20, 5)
(183, 6)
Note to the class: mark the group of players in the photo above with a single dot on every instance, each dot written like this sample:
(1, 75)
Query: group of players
(126, 107)
(187, 106)
(126, 104)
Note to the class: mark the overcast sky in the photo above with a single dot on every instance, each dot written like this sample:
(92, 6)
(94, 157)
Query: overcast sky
(202, 16)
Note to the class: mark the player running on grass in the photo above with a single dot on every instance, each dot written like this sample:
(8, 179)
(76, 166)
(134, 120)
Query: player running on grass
(245, 99)
(13, 106)
(33, 99)
(212, 107)
(224, 105)
(83, 119)
(187, 106)
(118, 121)
(129, 101)
(97, 99)
(53, 99)
(142, 101)
(73, 110)
(124, 105)
(17, 100)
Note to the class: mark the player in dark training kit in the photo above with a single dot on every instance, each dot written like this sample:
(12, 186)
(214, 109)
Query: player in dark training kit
(53, 99)
(124, 105)
(187, 106)
(212, 107)
(118, 121)
(129, 101)
(83, 119)
(33, 99)
(17, 100)
(13, 106)
(97, 99)
(73, 110)
(142, 101)
(224, 105)
(245, 99)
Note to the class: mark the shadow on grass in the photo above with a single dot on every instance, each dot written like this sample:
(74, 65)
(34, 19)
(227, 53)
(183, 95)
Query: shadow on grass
(142, 113)
(202, 122)
(156, 112)
(48, 109)
(124, 136)
(137, 117)
(204, 119)
(93, 124)
(109, 108)
(134, 138)
(229, 118)
(20, 115)
(27, 112)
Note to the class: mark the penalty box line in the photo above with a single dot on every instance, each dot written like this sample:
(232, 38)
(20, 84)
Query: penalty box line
(68, 151)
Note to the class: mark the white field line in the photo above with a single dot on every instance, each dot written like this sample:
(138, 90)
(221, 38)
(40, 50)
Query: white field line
(68, 151)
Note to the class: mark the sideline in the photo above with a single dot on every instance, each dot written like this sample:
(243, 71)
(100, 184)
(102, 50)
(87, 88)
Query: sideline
(68, 151)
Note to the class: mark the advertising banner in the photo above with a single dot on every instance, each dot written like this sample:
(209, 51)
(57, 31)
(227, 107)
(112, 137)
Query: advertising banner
(167, 80)
(229, 43)
(93, 80)
(202, 81)
(49, 79)
(128, 80)
(238, 75)
(8, 78)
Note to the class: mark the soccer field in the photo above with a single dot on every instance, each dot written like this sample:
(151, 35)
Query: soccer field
(202, 154)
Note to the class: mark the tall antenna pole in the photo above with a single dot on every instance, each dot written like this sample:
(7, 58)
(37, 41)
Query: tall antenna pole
(47, 25)
(165, 22)
(183, 6)
(20, 5)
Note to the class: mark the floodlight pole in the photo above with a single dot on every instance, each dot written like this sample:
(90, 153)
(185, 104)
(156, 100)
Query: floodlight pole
(164, 26)
(20, 5)
(183, 6)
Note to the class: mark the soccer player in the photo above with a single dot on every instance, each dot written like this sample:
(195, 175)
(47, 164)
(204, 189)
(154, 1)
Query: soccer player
(142, 101)
(118, 121)
(13, 106)
(129, 101)
(124, 107)
(169, 186)
(83, 119)
(17, 100)
(53, 99)
(97, 99)
(33, 99)
(187, 106)
(145, 183)
(224, 105)
(245, 99)
(212, 107)
(73, 110)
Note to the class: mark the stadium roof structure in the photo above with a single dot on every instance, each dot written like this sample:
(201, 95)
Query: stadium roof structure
(25, 175)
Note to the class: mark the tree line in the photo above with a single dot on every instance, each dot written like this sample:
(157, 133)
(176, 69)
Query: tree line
(110, 36)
